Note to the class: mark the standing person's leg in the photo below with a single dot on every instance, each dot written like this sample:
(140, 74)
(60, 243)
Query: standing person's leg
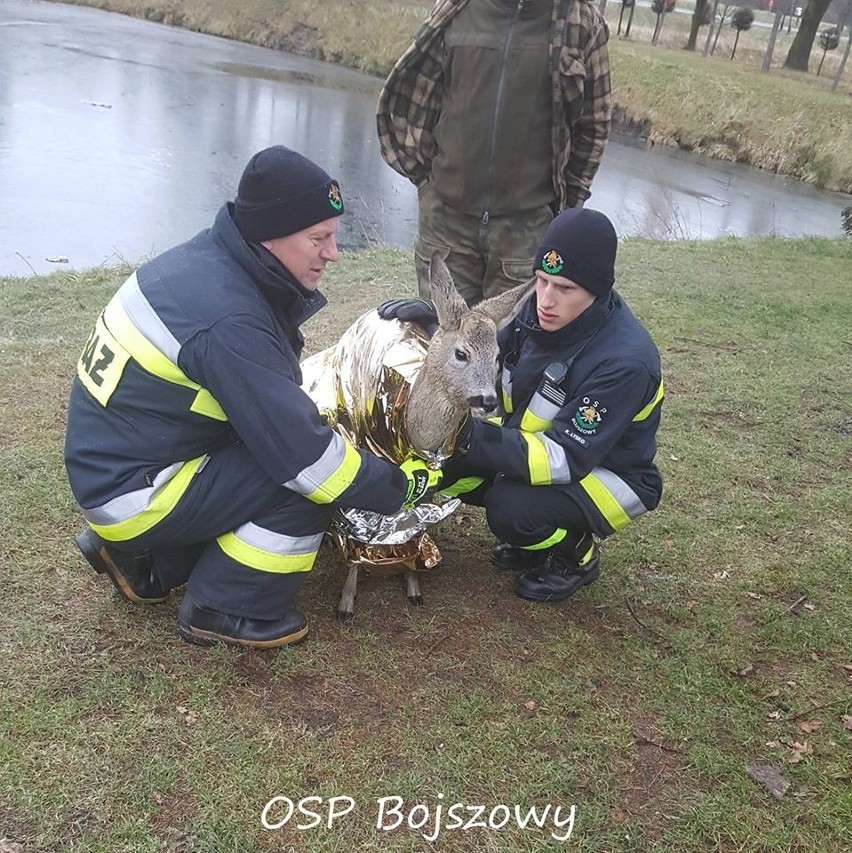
(455, 237)
(509, 246)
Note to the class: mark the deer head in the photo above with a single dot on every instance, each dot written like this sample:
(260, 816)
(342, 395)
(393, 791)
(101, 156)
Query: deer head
(460, 370)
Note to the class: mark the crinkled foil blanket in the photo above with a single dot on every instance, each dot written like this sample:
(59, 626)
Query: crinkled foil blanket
(361, 385)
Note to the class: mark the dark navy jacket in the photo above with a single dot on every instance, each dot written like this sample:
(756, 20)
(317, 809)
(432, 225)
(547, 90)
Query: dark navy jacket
(198, 349)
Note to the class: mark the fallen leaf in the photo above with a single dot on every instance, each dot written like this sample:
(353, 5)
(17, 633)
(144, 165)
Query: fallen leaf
(846, 719)
(799, 751)
(770, 777)
(7, 846)
(773, 715)
(808, 726)
(775, 693)
(773, 744)
(721, 576)
(755, 595)
(745, 670)
(846, 666)
(810, 607)
(530, 704)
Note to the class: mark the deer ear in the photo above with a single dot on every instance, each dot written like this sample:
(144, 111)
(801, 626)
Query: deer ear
(449, 305)
(504, 306)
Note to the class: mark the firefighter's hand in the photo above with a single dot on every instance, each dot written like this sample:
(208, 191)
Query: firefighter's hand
(418, 311)
(423, 481)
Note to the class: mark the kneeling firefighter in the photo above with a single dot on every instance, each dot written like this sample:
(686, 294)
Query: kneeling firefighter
(192, 451)
(571, 459)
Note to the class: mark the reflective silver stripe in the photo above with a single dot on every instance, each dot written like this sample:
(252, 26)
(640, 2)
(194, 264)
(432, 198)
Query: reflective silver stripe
(127, 506)
(143, 316)
(559, 470)
(626, 497)
(544, 409)
(277, 543)
(309, 479)
(506, 382)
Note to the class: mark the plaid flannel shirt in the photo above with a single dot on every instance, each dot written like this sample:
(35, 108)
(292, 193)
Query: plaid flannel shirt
(410, 101)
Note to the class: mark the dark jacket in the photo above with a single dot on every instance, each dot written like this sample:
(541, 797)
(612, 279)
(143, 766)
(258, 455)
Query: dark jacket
(593, 422)
(200, 348)
(580, 109)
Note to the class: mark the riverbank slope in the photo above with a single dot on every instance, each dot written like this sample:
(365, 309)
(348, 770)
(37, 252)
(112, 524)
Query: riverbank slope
(784, 122)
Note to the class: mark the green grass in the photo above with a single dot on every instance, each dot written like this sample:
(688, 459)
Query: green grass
(786, 122)
(641, 702)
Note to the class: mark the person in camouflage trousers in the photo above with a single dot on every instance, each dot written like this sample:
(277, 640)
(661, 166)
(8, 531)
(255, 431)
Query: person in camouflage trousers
(498, 113)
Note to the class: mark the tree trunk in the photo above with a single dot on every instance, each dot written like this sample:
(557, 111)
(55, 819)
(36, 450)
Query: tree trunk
(697, 18)
(821, 60)
(848, 20)
(710, 28)
(629, 21)
(660, 19)
(620, 16)
(770, 48)
(803, 41)
(736, 42)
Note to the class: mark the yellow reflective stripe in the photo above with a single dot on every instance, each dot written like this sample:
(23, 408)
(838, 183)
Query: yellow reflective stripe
(644, 414)
(606, 502)
(531, 422)
(495, 419)
(340, 479)
(537, 460)
(557, 536)
(265, 561)
(206, 404)
(149, 358)
(463, 486)
(507, 401)
(161, 505)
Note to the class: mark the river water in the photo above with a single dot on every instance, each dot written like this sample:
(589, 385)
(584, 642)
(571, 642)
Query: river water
(120, 138)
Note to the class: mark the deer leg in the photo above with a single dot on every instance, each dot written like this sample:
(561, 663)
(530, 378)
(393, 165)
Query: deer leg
(346, 608)
(412, 589)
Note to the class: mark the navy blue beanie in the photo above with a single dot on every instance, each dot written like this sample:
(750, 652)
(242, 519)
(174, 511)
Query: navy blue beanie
(282, 192)
(580, 244)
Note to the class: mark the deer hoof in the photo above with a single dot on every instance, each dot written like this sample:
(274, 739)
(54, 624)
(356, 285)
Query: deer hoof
(343, 616)
(415, 600)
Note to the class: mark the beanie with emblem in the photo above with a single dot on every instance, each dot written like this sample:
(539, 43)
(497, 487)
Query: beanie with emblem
(282, 192)
(580, 244)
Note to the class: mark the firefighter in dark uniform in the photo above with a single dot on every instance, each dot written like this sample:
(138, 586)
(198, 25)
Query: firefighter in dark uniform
(191, 449)
(571, 460)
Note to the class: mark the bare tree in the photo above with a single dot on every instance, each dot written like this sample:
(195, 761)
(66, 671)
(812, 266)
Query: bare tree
(700, 18)
(800, 50)
(741, 20)
(625, 4)
(630, 19)
(661, 8)
(770, 48)
(725, 9)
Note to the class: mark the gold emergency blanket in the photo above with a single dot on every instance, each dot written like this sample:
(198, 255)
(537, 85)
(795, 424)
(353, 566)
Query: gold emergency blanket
(361, 385)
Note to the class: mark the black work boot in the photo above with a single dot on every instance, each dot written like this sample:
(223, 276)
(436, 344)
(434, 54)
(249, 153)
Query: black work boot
(562, 574)
(204, 627)
(505, 556)
(131, 573)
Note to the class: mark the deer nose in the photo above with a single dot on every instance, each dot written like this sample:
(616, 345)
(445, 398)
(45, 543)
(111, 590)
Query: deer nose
(484, 403)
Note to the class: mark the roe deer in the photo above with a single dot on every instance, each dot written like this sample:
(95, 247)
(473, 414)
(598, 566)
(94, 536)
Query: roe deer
(458, 373)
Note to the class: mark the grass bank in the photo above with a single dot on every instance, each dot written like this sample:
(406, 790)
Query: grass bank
(785, 122)
(716, 640)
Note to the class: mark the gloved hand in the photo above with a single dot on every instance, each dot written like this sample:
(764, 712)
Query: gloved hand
(423, 481)
(418, 311)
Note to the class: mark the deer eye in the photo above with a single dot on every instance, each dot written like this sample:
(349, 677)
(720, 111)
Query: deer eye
(461, 355)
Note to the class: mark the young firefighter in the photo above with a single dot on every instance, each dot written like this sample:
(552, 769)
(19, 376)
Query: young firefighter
(572, 460)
